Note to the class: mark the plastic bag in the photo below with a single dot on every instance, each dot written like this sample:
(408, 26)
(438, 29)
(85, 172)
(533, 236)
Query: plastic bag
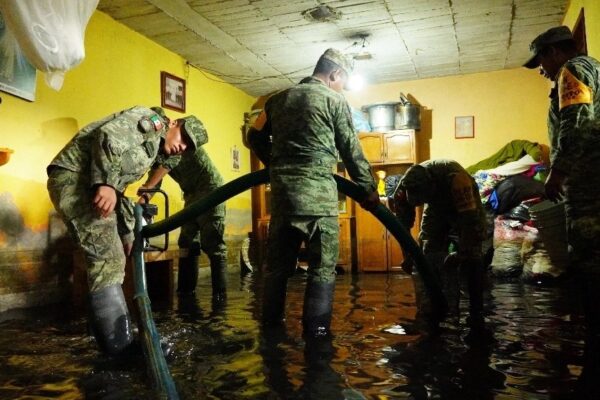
(50, 33)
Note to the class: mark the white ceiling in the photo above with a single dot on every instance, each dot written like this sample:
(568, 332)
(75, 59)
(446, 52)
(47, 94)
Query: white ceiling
(264, 45)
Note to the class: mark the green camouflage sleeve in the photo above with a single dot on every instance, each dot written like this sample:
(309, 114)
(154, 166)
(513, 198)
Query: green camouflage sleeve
(349, 148)
(113, 139)
(169, 162)
(576, 88)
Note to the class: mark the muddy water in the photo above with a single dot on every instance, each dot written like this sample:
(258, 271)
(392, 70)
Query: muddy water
(531, 348)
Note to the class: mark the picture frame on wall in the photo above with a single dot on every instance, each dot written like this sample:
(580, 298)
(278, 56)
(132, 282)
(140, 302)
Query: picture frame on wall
(464, 127)
(172, 92)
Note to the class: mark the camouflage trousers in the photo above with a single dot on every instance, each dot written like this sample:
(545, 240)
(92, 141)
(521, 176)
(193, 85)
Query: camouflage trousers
(436, 230)
(205, 233)
(99, 239)
(287, 233)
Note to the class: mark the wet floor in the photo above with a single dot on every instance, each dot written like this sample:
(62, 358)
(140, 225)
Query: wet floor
(531, 348)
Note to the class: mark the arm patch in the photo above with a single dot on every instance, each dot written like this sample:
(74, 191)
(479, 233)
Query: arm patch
(462, 193)
(571, 90)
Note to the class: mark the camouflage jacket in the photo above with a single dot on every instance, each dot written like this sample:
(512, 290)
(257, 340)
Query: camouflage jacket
(574, 100)
(114, 151)
(457, 196)
(196, 175)
(310, 124)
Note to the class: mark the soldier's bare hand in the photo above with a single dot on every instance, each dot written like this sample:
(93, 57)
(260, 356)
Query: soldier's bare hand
(371, 201)
(105, 200)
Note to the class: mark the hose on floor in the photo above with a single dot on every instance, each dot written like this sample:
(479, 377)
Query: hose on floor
(158, 367)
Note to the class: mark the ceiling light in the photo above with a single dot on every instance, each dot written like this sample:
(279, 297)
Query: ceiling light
(356, 82)
(322, 14)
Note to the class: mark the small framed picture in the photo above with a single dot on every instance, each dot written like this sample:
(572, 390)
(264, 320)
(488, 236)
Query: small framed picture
(464, 127)
(172, 92)
(235, 158)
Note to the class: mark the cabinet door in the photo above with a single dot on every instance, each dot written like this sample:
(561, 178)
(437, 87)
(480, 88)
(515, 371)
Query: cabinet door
(262, 237)
(372, 146)
(345, 254)
(399, 147)
(394, 253)
(371, 242)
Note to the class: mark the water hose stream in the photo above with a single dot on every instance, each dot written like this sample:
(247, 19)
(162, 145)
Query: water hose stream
(157, 364)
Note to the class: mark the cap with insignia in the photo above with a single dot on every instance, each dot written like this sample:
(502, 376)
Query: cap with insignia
(338, 58)
(551, 36)
(195, 130)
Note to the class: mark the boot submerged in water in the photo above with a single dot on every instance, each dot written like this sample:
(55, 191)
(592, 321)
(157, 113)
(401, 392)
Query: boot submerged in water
(318, 306)
(187, 275)
(218, 269)
(110, 321)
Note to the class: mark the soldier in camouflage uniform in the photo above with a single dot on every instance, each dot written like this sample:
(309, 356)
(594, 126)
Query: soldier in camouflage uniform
(573, 129)
(452, 204)
(197, 177)
(310, 123)
(86, 181)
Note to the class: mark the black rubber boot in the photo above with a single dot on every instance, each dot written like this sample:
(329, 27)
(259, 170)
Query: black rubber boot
(475, 282)
(218, 269)
(110, 322)
(588, 384)
(187, 276)
(273, 308)
(318, 306)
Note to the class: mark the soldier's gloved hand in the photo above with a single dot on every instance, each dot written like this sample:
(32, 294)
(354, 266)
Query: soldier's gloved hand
(144, 197)
(453, 260)
(105, 200)
(370, 202)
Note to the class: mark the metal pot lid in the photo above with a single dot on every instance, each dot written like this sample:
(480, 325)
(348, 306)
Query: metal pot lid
(386, 103)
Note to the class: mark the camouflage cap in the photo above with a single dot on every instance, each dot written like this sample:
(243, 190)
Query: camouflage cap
(551, 36)
(194, 129)
(338, 58)
(417, 183)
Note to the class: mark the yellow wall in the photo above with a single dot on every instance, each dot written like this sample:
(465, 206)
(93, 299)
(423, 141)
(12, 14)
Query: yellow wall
(507, 105)
(592, 27)
(121, 69)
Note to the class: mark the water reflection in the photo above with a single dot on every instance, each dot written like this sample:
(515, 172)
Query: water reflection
(529, 347)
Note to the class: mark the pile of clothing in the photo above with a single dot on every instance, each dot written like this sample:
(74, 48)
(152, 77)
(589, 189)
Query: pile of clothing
(517, 245)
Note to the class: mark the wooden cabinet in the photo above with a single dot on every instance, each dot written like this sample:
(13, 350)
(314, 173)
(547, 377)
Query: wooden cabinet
(393, 147)
(377, 249)
(392, 152)
(261, 217)
(347, 232)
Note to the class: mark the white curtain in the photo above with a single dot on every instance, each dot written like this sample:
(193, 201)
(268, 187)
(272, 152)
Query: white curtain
(50, 33)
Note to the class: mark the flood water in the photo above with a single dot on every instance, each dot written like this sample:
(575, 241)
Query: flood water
(531, 348)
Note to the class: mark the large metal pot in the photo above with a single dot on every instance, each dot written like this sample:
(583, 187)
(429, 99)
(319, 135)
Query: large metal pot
(409, 117)
(382, 116)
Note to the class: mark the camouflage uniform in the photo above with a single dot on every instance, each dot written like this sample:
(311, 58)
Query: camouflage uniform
(574, 130)
(197, 177)
(114, 151)
(456, 206)
(452, 206)
(310, 124)
(574, 103)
